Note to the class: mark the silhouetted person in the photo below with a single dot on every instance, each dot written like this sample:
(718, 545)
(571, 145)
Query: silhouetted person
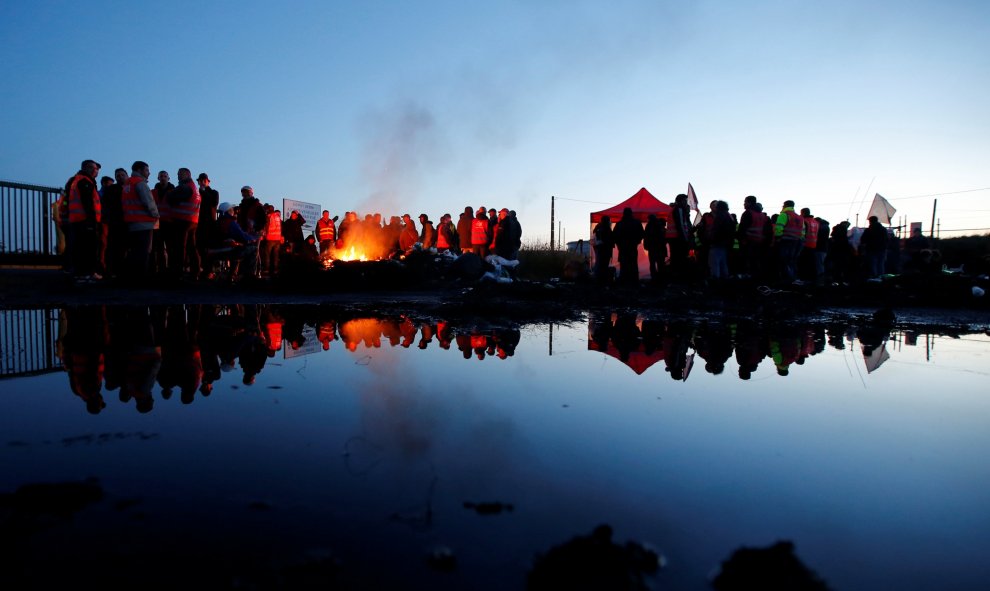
(292, 230)
(628, 234)
(143, 358)
(83, 350)
(626, 336)
(721, 238)
(206, 228)
(604, 243)
(655, 244)
(714, 345)
(754, 234)
(840, 253)
(464, 222)
(159, 252)
(873, 245)
(675, 348)
(681, 240)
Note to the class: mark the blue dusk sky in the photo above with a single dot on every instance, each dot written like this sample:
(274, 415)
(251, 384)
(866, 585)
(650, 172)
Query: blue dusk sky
(429, 106)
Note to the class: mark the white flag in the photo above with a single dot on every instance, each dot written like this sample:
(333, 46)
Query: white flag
(692, 198)
(882, 209)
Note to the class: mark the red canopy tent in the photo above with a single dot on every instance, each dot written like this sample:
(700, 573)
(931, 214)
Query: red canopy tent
(643, 203)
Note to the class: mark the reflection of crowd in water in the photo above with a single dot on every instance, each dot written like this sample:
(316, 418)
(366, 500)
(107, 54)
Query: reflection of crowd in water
(673, 341)
(186, 348)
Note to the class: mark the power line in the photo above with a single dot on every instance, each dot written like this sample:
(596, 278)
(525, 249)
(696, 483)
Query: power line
(911, 196)
(583, 201)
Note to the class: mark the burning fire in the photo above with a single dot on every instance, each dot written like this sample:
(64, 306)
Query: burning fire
(352, 255)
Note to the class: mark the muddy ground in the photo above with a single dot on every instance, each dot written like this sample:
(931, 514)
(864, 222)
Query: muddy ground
(936, 301)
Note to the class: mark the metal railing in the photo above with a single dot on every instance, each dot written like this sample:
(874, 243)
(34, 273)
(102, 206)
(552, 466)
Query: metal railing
(27, 231)
(27, 342)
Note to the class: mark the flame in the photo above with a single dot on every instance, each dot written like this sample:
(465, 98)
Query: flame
(352, 254)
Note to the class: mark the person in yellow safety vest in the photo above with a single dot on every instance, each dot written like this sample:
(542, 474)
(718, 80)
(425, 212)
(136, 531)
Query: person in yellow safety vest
(142, 218)
(807, 267)
(326, 232)
(789, 237)
(83, 221)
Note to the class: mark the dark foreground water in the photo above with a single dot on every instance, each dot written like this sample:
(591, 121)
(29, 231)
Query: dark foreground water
(257, 446)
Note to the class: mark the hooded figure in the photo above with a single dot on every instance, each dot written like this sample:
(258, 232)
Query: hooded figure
(628, 234)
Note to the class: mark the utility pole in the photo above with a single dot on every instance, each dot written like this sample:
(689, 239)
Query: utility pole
(931, 231)
(551, 222)
(560, 234)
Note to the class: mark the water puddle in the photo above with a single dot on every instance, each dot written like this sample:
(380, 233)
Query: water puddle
(269, 445)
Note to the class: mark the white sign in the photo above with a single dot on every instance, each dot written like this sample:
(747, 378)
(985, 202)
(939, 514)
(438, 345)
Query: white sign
(309, 211)
(310, 345)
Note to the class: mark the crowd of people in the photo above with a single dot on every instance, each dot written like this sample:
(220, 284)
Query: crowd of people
(789, 246)
(122, 227)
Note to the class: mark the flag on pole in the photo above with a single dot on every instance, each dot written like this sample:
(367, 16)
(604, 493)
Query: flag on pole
(688, 364)
(882, 209)
(874, 358)
(692, 198)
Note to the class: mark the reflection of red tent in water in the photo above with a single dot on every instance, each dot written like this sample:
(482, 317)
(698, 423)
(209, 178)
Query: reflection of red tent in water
(639, 361)
(643, 203)
(636, 357)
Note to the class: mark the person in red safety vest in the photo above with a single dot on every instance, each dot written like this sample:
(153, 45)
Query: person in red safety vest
(754, 234)
(464, 222)
(83, 216)
(326, 233)
(142, 218)
(182, 217)
(807, 264)
(480, 238)
(446, 234)
(271, 242)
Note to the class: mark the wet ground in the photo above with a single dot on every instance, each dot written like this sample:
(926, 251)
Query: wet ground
(929, 301)
(322, 446)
